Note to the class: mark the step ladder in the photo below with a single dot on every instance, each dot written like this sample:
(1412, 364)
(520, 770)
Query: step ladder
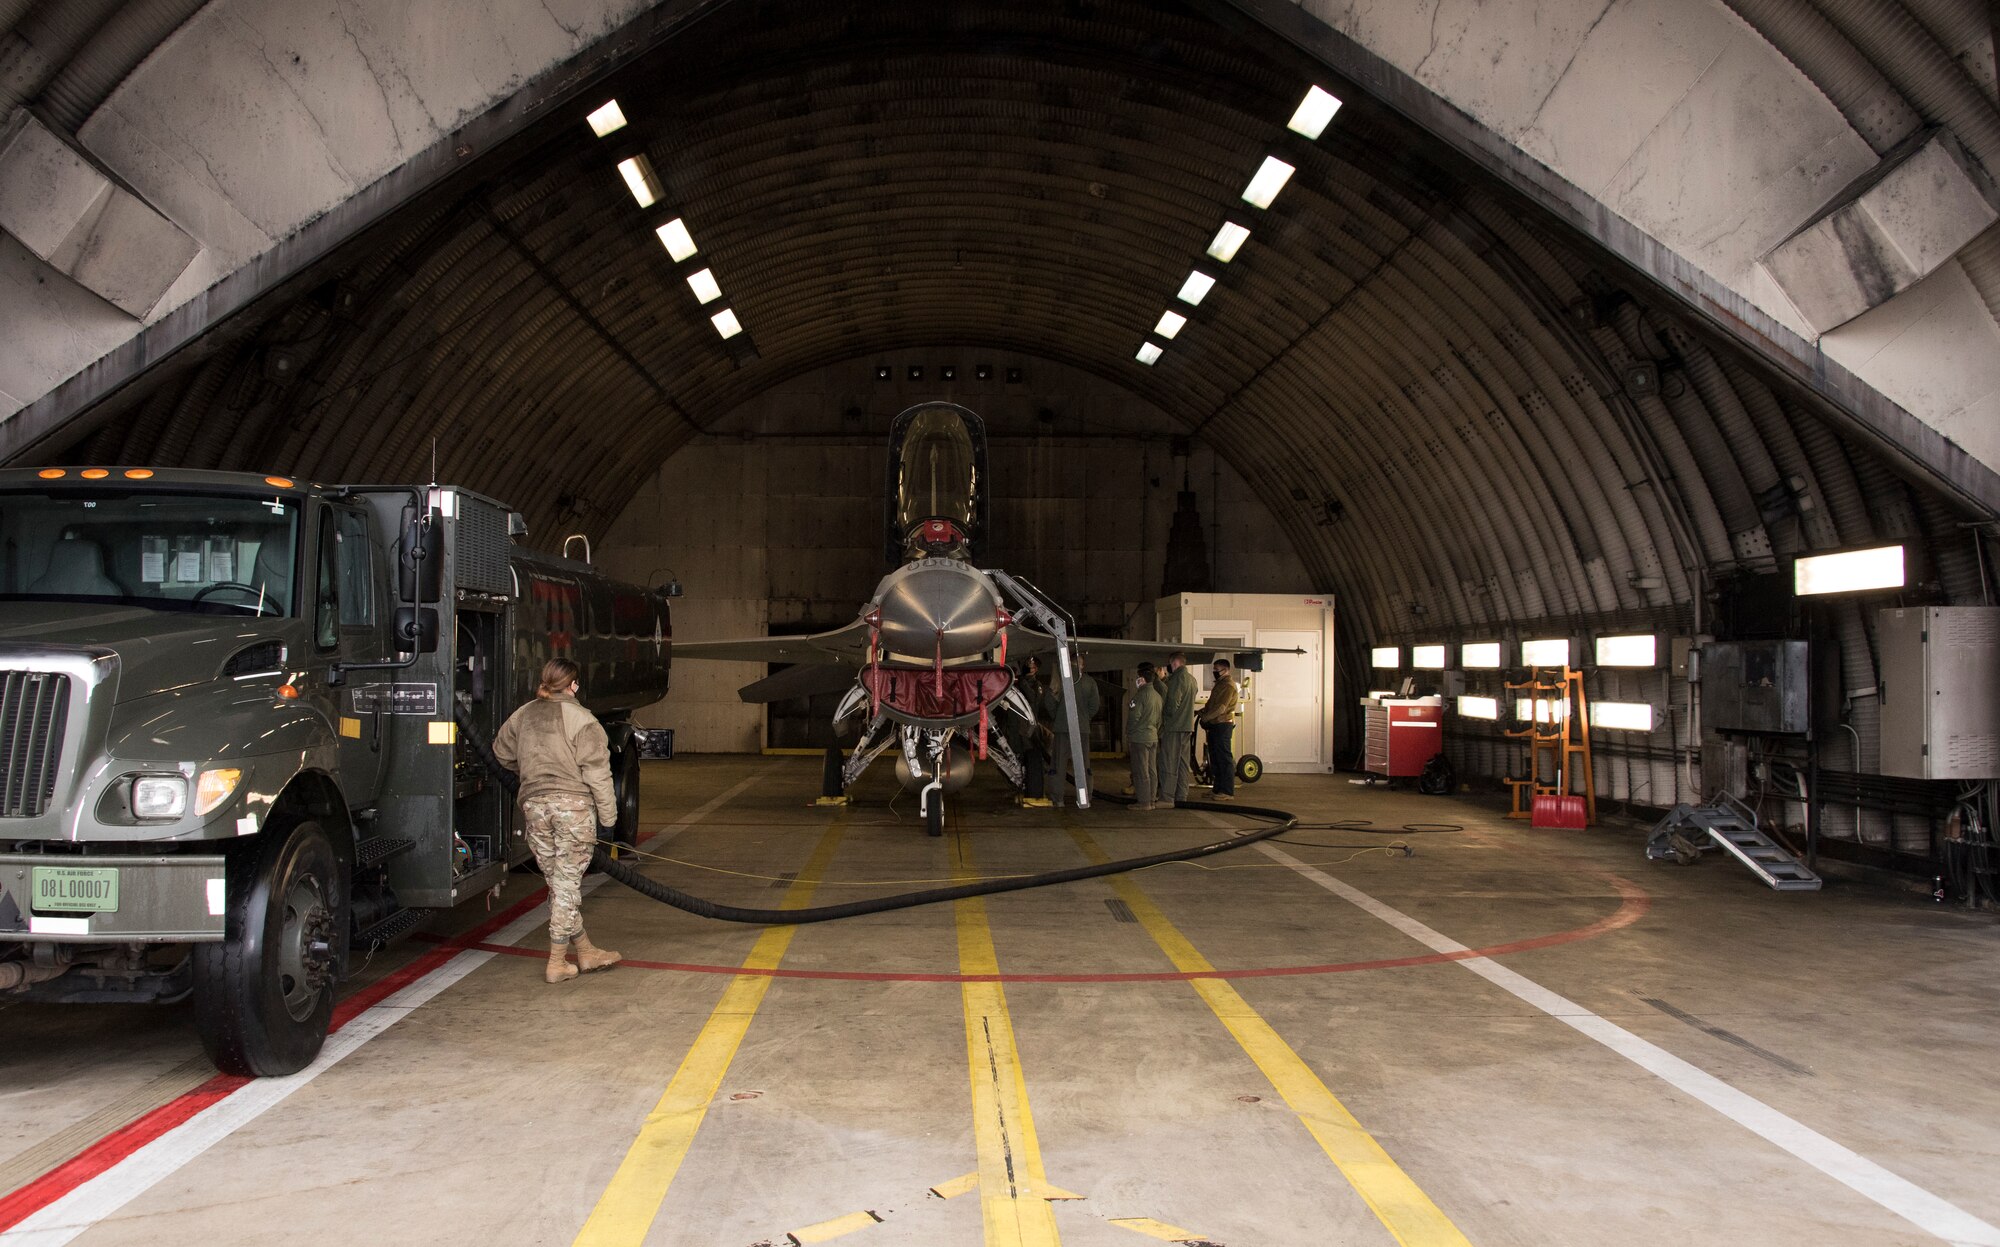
(1732, 826)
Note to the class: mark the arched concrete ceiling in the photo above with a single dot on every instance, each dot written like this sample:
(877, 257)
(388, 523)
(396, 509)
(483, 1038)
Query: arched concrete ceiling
(1443, 382)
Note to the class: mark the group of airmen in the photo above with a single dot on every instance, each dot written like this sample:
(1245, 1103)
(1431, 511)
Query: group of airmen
(1161, 715)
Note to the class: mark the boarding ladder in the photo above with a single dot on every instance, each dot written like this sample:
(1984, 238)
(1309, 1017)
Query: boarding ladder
(1731, 826)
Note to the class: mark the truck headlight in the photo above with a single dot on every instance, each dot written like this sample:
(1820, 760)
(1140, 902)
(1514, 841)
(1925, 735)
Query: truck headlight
(214, 787)
(159, 796)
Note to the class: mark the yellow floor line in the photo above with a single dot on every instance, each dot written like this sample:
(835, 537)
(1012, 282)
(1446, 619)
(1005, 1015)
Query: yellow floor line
(827, 1231)
(1390, 1193)
(1157, 1229)
(625, 1212)
(1013, 1189)
(963, 1184)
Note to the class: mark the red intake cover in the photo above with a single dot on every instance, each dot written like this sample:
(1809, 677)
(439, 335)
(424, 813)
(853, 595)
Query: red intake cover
(913, 691)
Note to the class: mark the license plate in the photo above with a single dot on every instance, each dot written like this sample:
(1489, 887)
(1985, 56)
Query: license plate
(80, 889)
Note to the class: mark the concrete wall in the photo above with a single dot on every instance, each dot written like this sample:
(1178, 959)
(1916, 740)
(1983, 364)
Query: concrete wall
(1680, 117)
(776, 531)
(258, 117)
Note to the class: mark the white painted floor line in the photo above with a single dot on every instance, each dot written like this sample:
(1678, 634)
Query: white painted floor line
(1906, 1199)
(94, 1201)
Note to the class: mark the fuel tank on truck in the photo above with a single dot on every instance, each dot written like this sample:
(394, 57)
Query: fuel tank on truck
(620, 634)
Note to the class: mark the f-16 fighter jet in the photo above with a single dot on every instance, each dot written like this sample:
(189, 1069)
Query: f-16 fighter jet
(927, 656)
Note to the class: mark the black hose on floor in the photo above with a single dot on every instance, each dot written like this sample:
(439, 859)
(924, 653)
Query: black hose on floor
(1282, 822)
(625, 874)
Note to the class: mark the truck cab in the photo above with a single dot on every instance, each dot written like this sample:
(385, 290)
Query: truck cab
(239, 718)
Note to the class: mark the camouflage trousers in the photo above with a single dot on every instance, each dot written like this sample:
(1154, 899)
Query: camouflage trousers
(562, 830)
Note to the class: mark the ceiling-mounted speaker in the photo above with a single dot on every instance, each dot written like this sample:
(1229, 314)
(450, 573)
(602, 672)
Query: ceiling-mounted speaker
(1641, 380)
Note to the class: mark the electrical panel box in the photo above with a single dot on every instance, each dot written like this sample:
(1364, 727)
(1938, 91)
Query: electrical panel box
(1755, 686)
(1940, 691)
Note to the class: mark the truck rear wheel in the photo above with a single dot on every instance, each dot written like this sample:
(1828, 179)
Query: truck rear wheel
(625, 786)
(263, 997)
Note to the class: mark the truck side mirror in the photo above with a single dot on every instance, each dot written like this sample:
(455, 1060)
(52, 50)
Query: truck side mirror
(416, 630)
(420, 565)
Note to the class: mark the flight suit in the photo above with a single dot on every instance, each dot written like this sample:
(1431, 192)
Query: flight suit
(1142, 743)
(1062, 767)
(1179, 691)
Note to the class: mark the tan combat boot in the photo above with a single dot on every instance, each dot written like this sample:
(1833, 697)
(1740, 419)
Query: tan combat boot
(559, 969)
(590, 957)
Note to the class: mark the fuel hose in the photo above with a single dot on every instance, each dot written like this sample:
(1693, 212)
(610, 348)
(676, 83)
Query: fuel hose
(1280, 822)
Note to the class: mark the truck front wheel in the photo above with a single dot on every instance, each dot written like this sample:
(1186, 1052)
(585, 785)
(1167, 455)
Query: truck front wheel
(263, 997)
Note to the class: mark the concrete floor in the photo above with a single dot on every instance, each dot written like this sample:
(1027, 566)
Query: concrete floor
(1435, 1098)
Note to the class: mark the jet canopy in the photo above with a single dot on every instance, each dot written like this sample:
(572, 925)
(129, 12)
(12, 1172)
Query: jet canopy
(937, 482)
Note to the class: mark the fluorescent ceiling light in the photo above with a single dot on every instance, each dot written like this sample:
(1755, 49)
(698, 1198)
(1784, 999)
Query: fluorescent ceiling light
(1479, 707)
(1480, 655)
(1549, 653)
(1270, 179)
(1427, 657)
(607, 119)
(1622, 716)
(1388, 658)
(675, 238)
(1227, 240)
(1542, 710)
(704, 286)
(1850, 571)
(1170, 324)
(1642, 650)
(638, 174)
(725, 323)
(1196, 287)
(1315, 110)
(1148, 353)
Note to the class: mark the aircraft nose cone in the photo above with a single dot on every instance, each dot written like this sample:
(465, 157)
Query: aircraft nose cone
(929, 607)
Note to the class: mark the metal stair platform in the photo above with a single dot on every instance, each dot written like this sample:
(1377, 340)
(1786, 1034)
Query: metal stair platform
(379, 848)
(390, 929)
(1730, 825)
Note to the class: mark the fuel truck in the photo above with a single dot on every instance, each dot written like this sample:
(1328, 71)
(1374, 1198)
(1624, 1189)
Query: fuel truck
(240, 726)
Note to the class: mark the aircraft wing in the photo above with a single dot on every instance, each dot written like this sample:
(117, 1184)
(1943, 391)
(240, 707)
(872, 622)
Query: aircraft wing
(1118, 654)
(841, 647)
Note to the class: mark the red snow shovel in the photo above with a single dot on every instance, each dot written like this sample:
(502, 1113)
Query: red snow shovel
(1561, 813)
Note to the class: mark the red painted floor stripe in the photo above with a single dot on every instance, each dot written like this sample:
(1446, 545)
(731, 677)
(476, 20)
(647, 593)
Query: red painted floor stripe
(129, 1138)
(1632, 906)
(111, 1149)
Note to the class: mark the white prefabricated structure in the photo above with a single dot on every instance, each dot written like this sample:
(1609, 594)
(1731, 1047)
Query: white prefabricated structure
(1288, 706)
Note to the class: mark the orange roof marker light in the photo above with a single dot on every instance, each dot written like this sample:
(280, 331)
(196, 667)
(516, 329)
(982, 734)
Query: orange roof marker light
(93, 474)
(138, 474)
(51, 474)
(279, 481)
(288, 691)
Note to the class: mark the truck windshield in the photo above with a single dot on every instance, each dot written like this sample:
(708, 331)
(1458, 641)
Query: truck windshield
(223, 554)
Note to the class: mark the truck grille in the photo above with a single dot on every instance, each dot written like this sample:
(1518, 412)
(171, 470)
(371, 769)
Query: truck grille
(34, 708)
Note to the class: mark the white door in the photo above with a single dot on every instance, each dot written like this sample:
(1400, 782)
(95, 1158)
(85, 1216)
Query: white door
(1290, 710)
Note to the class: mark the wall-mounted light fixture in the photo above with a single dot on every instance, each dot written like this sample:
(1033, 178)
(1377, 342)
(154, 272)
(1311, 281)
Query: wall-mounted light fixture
(1849, 571)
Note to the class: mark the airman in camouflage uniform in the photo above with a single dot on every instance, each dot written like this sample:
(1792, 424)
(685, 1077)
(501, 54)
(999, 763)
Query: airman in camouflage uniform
(564, 760)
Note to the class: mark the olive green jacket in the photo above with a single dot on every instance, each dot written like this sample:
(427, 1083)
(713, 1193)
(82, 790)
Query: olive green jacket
(1178, 693)
(1142, 716)
(1086, 704)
